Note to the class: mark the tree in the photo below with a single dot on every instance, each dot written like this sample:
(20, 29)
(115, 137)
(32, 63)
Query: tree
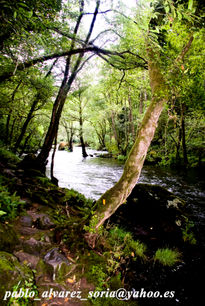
(43, 94)
(117, 195)
(19, 18)
(78, 102)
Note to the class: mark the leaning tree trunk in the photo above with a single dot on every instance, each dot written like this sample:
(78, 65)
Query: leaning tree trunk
(117, 195)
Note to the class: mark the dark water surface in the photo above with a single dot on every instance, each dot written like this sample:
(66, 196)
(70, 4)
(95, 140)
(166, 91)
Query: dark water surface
(93, 176)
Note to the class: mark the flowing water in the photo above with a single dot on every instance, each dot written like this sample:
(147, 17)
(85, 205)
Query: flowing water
(92, 176)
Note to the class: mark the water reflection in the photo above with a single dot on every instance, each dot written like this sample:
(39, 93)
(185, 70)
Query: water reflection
(93, 176)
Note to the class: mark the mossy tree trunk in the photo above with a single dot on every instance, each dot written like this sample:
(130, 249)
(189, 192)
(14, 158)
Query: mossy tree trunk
(117, 195)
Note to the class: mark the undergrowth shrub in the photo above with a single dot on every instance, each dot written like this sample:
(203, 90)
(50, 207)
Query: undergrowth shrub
(8, 157)
(167, 257)
(10, 204)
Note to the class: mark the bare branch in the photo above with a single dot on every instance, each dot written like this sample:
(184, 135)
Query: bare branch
(185, 50)
(181, 56)
(103, 12)
(87, 59)
(123, 75)
(98, 51)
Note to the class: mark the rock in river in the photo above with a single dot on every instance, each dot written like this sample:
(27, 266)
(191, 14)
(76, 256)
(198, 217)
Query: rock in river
(152, 213)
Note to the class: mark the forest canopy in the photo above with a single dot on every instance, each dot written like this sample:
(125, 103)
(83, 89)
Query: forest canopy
(78, 71)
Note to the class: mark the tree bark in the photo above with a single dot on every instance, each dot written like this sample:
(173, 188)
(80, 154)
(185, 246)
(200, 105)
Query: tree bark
(117, 195)
(178, 145)
(26, 123)
(131, 121)
(65, 87)
(25, 144)
(183, 134)
(54, 180)
(114, 129)
(10, 112)
(84, 153)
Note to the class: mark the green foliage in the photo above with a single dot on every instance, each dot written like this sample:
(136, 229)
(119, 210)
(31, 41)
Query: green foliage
(22, 18)
(136, 248)
(91, 228)
(187, 233)
(28, 286)
(7, 156)
(125, 244)
(95, 269)
(167, 257)
(121, 157)
(99, 276)
(10, 205)
(112, 147)
(76, 199)
(44, 181)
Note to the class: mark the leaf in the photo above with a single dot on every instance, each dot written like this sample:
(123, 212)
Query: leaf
(179, 15)
(2, 213)
(166, 9)
(70, 280)
(30, 14)
(15, 14)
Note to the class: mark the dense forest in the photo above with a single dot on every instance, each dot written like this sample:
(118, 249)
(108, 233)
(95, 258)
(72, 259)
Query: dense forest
(124, 77)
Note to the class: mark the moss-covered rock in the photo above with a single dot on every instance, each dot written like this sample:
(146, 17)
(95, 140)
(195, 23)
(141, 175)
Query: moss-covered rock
(11, 273)
(75, 199)
(8, 158)
(44, 222)
(35, 247)
(8, 238)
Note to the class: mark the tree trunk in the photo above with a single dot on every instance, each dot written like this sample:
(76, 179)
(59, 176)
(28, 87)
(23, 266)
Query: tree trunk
(10, 113)
(54, 180)
(84, 153)
(114, 129)
(12, 130)
(25, 144)
(64, 89)
(70, 137)
(117, 195)
(70, 144)
(131, 121)
(183, 135)
(7, 127)
(141, 106)
(178, 146)
(53, 127)
(26, 123)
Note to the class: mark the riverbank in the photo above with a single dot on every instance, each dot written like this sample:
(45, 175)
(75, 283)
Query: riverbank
(46, 248)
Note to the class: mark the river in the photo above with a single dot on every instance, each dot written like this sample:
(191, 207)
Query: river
(92, 176)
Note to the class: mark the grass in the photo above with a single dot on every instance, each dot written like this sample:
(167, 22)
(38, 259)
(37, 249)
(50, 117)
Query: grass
(167, 257)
